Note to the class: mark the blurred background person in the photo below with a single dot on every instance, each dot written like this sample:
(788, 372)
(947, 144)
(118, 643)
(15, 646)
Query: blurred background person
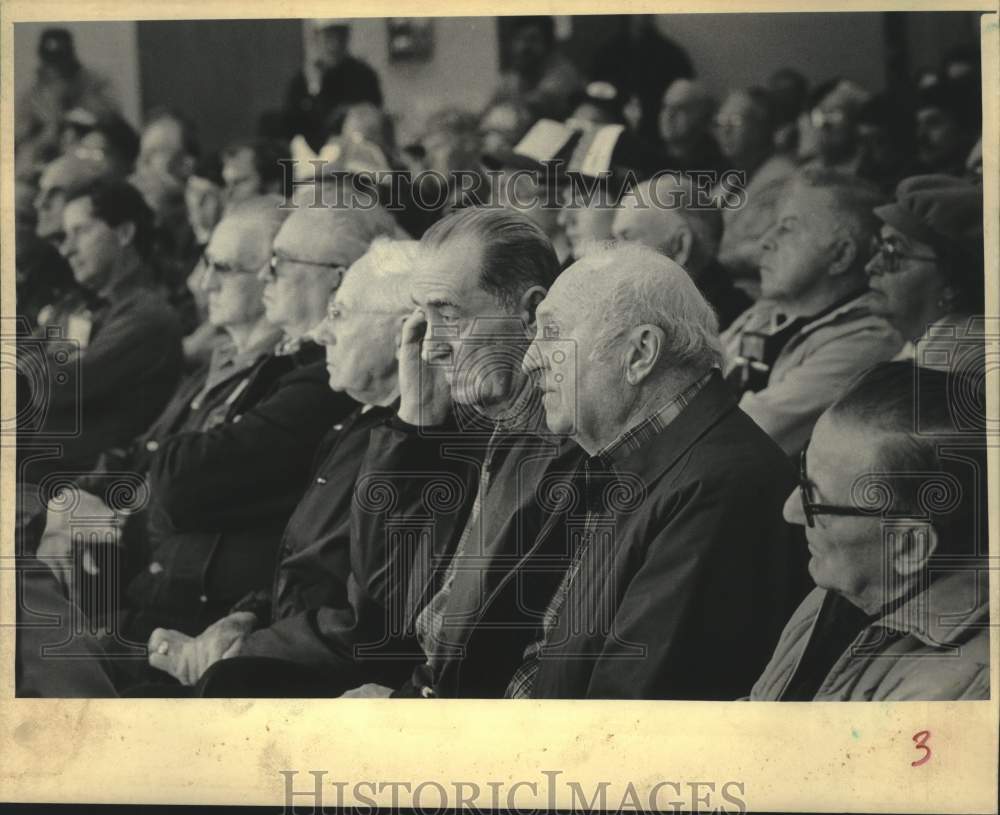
(834, 118)
(330, 81)
(686, 129)
(252, 168)
(948, 123)
(113, 142)
(788, 89)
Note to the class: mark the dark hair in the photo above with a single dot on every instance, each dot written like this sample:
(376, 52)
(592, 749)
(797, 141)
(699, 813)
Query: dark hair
(763, 100)
(118, 202)
(121, 137)
(209, 167)
(267, 155)
(517, 254)
(932, 449)
(189, 131)
(544, 23)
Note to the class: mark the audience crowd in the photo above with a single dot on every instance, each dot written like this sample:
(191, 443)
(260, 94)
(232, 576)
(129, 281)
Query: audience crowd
(612, 389)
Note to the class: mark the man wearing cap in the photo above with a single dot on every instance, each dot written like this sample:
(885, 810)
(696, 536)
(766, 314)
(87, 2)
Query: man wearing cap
(61, 84)
(927, 276)
(815, 328)
(330, 81)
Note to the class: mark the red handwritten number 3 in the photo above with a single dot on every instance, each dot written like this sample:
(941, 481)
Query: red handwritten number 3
(920, 740)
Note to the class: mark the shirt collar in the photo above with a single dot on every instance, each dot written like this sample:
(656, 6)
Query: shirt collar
(639, 434)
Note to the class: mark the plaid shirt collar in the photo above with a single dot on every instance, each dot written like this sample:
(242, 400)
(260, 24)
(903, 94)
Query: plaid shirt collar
(641, 433)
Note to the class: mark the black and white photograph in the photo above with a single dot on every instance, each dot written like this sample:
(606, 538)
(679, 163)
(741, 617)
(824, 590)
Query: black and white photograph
(523, 367)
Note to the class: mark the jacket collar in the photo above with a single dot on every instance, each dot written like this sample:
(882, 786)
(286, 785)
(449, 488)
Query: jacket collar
(948, 611)
(657, 456)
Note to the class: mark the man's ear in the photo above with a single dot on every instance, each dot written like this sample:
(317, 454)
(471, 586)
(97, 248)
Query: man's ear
(680, 244)
(913, 547)
(844, 252)
(126, 233)
(642, 351)
(529, 303)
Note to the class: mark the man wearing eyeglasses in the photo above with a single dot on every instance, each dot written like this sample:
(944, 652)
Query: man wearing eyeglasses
(834, 120)
(795, 350)
(893, 501)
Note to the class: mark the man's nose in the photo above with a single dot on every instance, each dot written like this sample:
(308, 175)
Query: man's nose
(873, 268)
(323, 333)
(792, 511)
(767, 240)
(533, 359)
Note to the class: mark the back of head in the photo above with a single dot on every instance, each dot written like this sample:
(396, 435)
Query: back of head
(930, 458)
(637, 285)
(117, 202)
(675, 193)
(516, 253)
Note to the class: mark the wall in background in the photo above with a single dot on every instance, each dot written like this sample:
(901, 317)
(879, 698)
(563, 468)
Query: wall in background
(461, 72)
(111, 49)
(223, 73)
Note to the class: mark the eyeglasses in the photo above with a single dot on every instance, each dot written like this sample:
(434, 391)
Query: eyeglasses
(819, 118)
(277, 261)
(208, 264)
(811, 509)
(890, 255)
(729, 122)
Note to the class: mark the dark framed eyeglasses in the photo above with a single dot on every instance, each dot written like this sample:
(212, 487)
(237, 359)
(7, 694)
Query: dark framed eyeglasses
(811, 509)
(208, 263)
(890, 255)
(277, 261)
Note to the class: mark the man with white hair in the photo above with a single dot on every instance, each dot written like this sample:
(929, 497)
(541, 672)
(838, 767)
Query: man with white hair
(664, 596)
(664, 213)
(316, 601)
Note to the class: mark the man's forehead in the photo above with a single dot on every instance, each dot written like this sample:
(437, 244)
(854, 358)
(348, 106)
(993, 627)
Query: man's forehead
(840, 451)
(79, 209)
(454, 265)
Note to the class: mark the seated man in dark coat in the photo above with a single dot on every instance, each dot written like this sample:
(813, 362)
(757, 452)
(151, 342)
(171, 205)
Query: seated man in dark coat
(226, 464)
(121, 365)
(665, 595)
(310, 600)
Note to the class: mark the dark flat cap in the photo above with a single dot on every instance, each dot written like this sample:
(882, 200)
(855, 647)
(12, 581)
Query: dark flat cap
(940, 210)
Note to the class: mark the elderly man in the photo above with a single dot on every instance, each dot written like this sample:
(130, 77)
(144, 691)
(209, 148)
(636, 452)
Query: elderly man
(666, 214)
(744, 127)
(834, 119)
(120, 365)
(315, 598)
(793, 352)
(656, 599)
(900, 610)
(686, 129)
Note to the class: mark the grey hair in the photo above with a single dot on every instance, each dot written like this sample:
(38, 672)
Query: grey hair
(674, 191)
(648, 288)
(383, 274)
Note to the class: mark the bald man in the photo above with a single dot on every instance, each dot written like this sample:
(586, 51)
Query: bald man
(665, 214)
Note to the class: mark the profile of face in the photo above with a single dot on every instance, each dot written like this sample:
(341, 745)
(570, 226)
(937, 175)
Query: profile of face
(740, 128)
(230, 274)
(834, 120)
(49, 202)
(684, 114)
(583, 224)
(360, 340)
(477, 342)
(239, 172)
(846, 554)
(302, 274)
(161, 150)
(941, 142)
(577, 379)
(905, 276)
(204, 203)
(92, 247)
(527, 48)
(796, 252)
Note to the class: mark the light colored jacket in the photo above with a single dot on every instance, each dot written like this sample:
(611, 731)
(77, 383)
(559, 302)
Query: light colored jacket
(815, 366)
(933, 647)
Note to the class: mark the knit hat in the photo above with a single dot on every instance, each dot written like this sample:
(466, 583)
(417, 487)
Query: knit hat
(942, 211)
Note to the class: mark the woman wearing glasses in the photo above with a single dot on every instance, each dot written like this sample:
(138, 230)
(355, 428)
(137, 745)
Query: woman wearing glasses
(927, 270)
(895, 519)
